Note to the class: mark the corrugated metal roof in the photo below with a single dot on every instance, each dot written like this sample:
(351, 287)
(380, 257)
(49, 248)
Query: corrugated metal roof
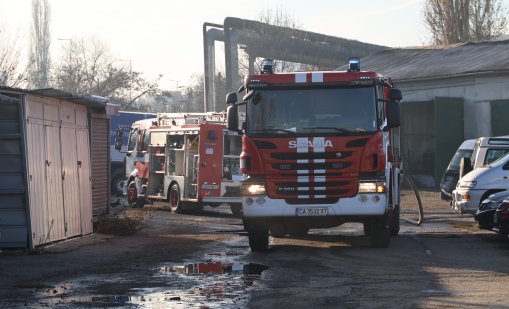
(416, 63)
(7, 98)
(86, 100)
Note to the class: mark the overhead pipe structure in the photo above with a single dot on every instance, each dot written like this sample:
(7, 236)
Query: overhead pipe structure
(261, 40)
(210, 36)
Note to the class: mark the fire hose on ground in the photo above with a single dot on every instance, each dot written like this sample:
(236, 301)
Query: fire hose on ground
(409, 180)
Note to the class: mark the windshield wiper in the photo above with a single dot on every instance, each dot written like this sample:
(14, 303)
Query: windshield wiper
(287, 131)
(340, 130)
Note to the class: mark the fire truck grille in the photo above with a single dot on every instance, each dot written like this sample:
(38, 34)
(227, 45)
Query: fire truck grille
(313, 175)
(311, 155)
(310, 166)
(316, 187)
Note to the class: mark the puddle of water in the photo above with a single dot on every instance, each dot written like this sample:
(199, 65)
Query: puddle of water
(216, 268)
(192, 285)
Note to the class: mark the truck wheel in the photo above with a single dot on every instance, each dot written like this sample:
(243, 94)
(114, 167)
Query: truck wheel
(394, 224)
(174, 199)
(258, 240)
(367, 228)
(236, 209)
(380, 233)
(132, 195)
(116, 184)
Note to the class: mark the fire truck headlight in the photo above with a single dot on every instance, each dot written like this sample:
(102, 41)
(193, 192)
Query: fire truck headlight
(254, 189)
(372, 187)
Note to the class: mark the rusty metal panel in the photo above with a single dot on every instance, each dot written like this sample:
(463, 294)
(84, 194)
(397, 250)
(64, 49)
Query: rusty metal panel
(34, 107)
(51, 111)
(67, 114)
(70, 180)
(38, 206)
(53, 166)
(85, 183)
(99, 147)
(81, 117)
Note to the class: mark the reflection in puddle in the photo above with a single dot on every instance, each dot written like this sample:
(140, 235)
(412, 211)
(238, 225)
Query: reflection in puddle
(193, 285)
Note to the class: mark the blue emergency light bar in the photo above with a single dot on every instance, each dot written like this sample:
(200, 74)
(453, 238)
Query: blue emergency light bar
(354, 64)
(267, 66)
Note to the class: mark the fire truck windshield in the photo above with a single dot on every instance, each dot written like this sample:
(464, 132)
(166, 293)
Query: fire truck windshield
(347, 110)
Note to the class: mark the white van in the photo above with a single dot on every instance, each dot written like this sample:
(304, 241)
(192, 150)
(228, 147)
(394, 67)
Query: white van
(477, 185)
(451, 175)
(487, 150)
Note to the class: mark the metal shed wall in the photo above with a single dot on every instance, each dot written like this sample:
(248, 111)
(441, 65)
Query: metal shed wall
(99, 147)
(13, 215)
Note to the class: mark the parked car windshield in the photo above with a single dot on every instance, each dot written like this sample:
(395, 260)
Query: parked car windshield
(347, 110)
(500, 161)
(493, 154)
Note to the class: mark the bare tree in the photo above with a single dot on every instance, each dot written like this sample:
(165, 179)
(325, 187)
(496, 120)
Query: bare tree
(88, 67)
(273, 17)
(12, 71)
(455, 21)
(39, 53)
(194, 95)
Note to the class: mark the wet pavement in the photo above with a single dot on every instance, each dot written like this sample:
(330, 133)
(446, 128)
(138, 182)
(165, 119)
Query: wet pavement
(202, 260)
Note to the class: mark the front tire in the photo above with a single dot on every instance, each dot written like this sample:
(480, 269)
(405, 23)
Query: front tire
(258, 240)
(297, 231)
(132, 195)
(116, 184)
(380, 233)
(394, 226)
(236, 209)
(176, 204)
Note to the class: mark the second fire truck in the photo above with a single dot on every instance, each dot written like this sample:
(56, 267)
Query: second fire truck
(186, 160)
(320, 149)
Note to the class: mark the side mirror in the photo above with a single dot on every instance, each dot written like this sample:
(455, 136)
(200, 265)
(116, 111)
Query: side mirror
(395, 94)
(393, 114)
(231, 98)
(232, 115)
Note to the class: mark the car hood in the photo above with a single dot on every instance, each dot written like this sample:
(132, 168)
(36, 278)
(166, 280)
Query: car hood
(487, 178)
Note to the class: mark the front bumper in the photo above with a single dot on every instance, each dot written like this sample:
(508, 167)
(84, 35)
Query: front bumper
(466, 206)
(359, 205)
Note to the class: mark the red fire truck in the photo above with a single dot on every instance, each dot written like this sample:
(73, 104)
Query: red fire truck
(185, 160)
(320, 149)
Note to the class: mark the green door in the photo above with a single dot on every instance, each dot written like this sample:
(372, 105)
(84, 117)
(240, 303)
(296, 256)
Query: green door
(448, 132)
(499, 121)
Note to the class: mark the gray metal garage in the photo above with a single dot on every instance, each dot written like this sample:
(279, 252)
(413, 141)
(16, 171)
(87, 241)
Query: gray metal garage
(46, 179)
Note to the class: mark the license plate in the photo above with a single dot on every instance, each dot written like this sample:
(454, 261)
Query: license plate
(321, 211)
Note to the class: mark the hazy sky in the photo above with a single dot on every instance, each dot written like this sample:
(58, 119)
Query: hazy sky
(165, 36)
